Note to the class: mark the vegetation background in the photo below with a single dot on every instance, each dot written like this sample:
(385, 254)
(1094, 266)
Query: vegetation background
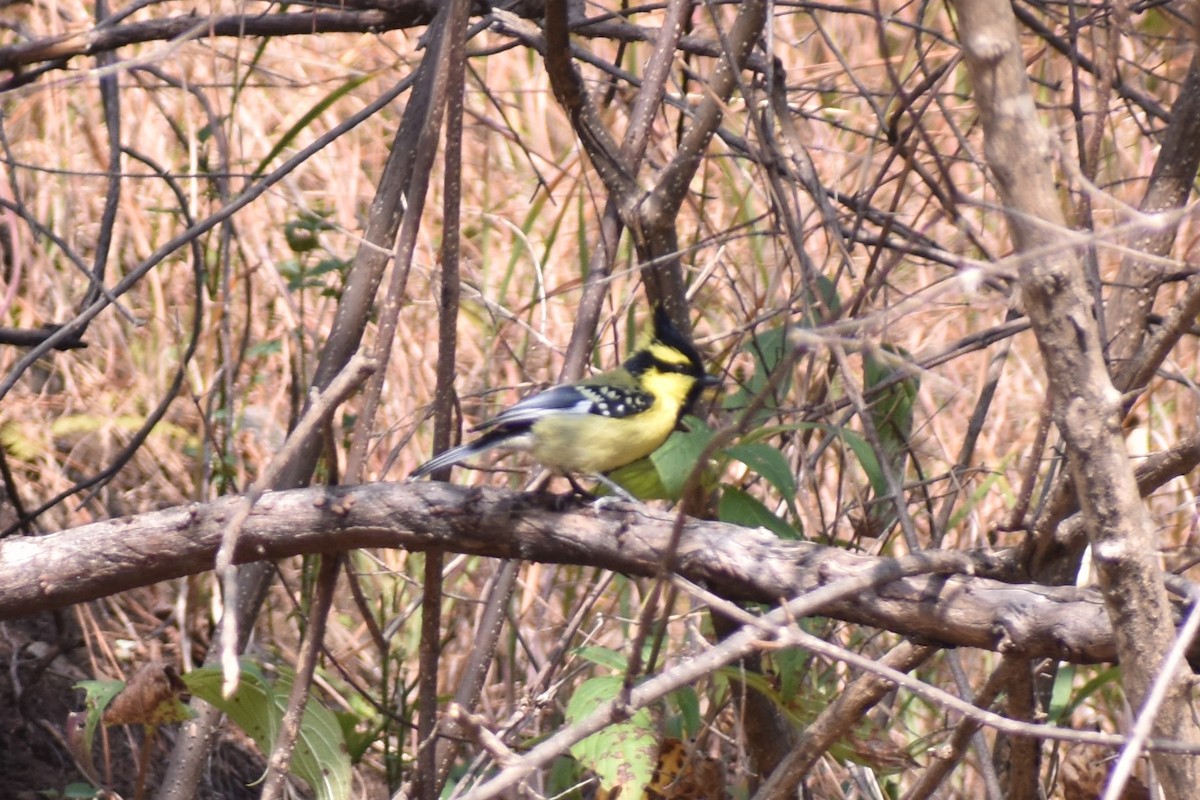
(839, 245)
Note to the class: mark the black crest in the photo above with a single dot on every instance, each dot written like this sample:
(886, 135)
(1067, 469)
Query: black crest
(666, 333)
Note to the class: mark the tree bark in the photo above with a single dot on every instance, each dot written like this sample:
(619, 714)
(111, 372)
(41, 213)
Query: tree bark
(1087, 407)
(987, 609)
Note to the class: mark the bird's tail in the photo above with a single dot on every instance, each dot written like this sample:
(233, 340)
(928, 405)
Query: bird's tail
(461, 453)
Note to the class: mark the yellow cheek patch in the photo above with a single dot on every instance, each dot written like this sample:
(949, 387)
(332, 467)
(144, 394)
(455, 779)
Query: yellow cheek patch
(669, 388)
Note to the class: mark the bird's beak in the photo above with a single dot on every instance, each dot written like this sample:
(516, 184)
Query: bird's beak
(710, 381)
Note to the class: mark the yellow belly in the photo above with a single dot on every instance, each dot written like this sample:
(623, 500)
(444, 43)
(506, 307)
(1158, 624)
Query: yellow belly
(592, 444)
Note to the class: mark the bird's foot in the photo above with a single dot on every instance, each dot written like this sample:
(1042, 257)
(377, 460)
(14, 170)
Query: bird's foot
(619, 494)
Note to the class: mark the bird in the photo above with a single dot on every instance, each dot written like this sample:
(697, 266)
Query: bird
(598, 424)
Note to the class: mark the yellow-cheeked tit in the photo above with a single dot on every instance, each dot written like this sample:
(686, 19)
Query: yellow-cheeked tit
(603, 422)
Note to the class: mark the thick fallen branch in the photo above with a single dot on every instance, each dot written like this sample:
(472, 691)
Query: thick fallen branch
(72, 566)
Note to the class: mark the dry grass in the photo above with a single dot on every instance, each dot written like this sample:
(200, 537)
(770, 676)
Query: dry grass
(529, 215)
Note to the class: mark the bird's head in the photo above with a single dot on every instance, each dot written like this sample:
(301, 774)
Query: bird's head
(672, 362)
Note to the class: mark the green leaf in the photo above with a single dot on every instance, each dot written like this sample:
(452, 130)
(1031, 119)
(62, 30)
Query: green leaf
(1060, 695)
(892, 403)
(357, 741)
(320, 758)
(97, 696)
(327, 265)
(740, 508)
(826, 294)
(604, 656)
(291, 270)
(759, 683)
(622, 755)
(863, 451)
(640, 479)
(791, 666)
(679, 455)
(1063, 703)
(319, 108)
(301, 235)
(768, 462)
(866, 457)
(688, 702)
(270, 347)
(769, 350)
(996, 477)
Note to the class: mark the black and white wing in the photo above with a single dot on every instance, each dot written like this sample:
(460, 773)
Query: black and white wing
(603, 400)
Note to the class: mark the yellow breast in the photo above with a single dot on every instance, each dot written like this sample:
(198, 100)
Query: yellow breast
(587, 443)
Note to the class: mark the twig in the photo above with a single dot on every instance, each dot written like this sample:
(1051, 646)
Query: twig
(293, 716)
(320, 409)
(1168, 678)
(731, 649)
(472, 725)
(947, 757)
(138, 438)
(70, 330)
(479, 661)
(836, 719)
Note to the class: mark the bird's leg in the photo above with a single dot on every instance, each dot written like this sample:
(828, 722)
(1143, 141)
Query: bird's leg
(619, 492)
(579, 490)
